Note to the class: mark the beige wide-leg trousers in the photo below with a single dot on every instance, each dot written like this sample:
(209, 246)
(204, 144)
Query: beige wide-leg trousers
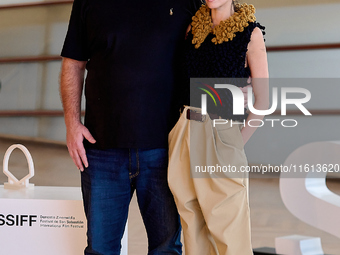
(214, 207)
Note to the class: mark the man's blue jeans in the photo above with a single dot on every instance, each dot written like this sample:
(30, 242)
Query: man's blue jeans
(108, 184)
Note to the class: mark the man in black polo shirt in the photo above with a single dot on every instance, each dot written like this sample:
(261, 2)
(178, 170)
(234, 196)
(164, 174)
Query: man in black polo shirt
(130, 50)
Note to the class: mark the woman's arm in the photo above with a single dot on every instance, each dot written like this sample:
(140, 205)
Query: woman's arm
(257, 61)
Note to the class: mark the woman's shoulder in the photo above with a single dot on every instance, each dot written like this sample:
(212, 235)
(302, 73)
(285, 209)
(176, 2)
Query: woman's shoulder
(255, 29)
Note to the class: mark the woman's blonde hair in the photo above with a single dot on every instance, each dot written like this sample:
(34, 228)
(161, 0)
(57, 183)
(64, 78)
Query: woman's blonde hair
(235, 5)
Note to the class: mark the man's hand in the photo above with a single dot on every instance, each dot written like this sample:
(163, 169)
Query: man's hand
(75, 137)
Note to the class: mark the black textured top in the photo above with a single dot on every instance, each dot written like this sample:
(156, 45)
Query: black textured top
(132, 53)
(225, 60)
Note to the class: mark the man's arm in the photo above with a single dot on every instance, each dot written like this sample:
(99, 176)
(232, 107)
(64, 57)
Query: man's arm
(71, 87)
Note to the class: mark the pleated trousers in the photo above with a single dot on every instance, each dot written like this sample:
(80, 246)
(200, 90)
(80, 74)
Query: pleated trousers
(211, 198)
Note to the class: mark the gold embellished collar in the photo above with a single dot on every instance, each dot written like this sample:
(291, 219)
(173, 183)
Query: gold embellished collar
(202, 24)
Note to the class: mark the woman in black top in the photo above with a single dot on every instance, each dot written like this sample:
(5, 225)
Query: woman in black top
(225, 41)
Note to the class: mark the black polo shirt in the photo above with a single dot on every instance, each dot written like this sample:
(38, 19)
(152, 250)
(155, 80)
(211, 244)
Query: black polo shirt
(132, 48)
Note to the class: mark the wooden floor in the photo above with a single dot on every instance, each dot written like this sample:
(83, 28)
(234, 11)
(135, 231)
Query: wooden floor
(270, 219)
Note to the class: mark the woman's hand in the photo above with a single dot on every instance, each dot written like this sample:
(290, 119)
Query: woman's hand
(187, 32)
